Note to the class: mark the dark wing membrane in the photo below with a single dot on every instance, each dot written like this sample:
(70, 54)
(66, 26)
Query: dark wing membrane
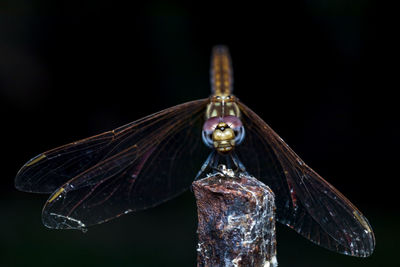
(146, 162)
(148, 168)
(304, 200)
(50, 170)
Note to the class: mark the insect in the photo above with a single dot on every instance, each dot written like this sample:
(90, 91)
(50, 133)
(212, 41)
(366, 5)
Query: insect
(153, 159)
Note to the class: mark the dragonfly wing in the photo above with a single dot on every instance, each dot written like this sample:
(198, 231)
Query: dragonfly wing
(51, 169)
(305, 201)
(146, 163)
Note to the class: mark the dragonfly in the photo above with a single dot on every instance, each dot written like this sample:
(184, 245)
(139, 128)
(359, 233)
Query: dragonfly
(151, 160)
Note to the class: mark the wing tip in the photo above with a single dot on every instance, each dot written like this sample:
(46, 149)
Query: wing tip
(20, 179)
(58, 221)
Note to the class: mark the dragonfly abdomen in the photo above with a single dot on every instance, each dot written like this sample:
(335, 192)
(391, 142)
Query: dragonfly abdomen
(221, 72)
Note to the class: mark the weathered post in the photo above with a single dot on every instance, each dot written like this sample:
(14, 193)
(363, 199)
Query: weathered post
(236, 221)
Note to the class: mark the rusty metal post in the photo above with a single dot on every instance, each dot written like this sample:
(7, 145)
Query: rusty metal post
(236, 222)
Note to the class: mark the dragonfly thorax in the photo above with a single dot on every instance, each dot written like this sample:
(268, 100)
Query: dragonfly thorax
(223, 133)
(221, 105)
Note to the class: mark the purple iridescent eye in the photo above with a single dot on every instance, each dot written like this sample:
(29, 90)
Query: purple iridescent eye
(233, 122)
(211, 124)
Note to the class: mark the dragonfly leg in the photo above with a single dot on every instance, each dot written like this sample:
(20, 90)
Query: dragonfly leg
(239, 165)
(210, 162)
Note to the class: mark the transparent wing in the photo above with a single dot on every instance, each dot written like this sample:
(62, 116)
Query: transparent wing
(305, 201)
(136, 166)
(51, 169)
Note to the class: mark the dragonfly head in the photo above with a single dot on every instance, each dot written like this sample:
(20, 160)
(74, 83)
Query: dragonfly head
(223, 133)
(223, 138)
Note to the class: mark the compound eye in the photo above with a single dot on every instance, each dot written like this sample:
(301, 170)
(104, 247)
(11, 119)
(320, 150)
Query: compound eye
(208, 128)
(232, 121)
(236, 124)
(211, 124)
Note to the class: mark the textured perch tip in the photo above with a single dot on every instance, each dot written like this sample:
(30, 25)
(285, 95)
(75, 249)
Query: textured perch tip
(236, 221)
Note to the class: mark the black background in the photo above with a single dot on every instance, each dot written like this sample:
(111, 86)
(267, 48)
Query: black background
(317, 71)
